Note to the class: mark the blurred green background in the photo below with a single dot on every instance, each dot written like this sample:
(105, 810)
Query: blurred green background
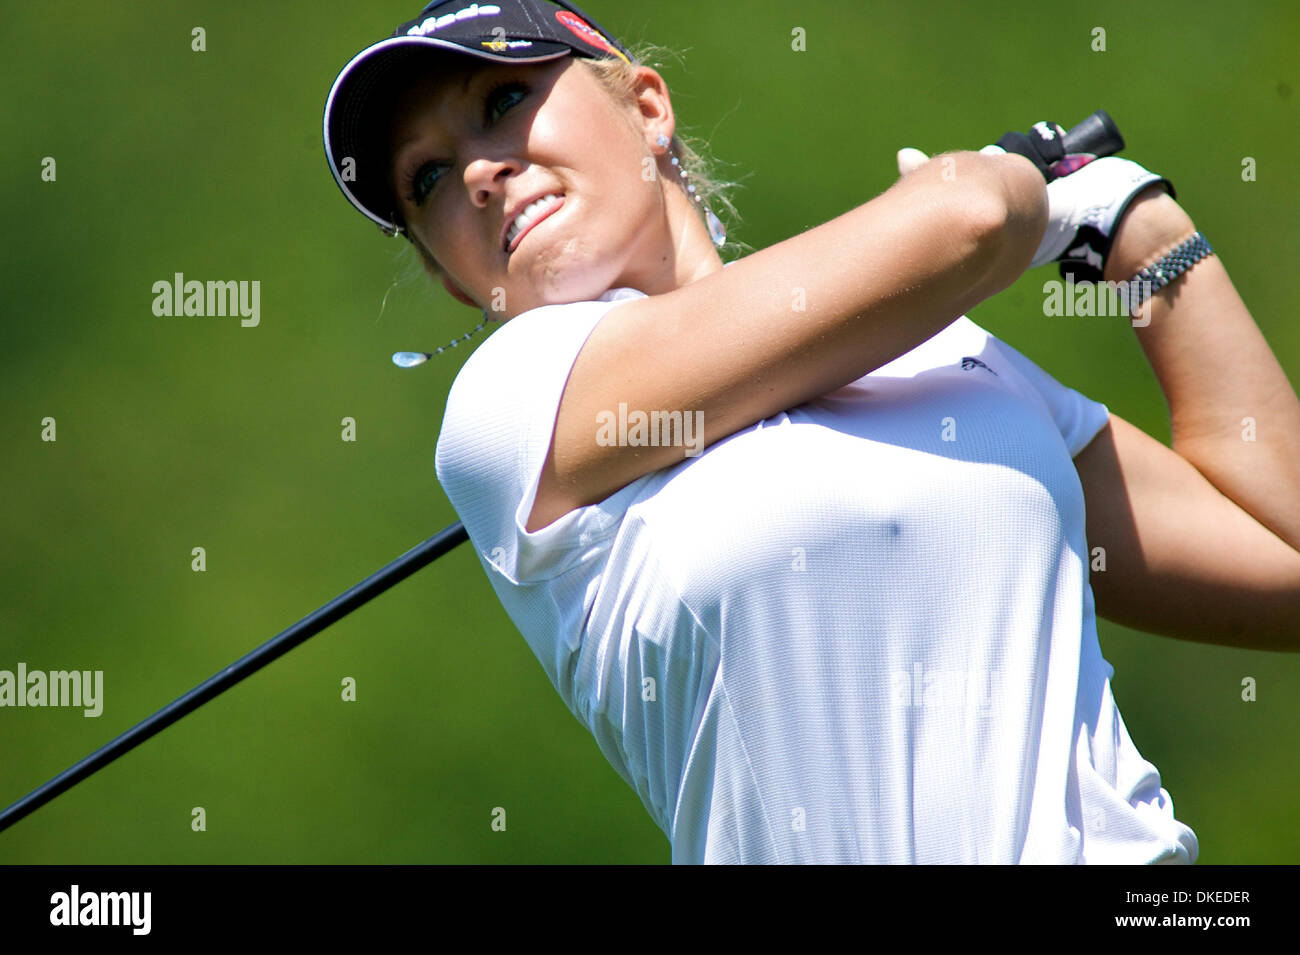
(182, 432)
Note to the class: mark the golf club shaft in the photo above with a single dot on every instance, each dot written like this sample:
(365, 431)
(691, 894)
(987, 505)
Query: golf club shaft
(374, 585)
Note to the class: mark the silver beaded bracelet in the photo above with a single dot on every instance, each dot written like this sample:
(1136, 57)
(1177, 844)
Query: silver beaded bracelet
(1173, 264)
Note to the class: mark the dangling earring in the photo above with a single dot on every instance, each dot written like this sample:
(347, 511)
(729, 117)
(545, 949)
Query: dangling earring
(717, 231)
(409, 359)
(456, 341)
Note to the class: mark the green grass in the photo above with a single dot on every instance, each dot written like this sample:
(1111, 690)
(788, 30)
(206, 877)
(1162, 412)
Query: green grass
(181, 433)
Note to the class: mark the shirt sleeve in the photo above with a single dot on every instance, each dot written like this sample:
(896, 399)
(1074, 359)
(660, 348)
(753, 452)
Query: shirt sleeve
(495, 436)
(1076, 416)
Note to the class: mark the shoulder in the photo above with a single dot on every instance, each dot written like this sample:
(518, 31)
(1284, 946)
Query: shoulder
(508, 390)
(1076, 416)
(548, 328)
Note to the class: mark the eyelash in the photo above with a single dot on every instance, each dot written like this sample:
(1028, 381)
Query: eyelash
(412, 179)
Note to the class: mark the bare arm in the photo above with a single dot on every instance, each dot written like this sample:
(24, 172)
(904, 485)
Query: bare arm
(1182, 559)
(1216, 371)
(873, 283)
(1202, 540)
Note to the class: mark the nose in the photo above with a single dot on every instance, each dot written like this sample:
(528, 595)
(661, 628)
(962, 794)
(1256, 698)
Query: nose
(486, 177)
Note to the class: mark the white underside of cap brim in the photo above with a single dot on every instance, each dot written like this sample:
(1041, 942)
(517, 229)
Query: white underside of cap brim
(428, 42)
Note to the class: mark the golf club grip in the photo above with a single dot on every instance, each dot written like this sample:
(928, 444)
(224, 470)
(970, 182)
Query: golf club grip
(1091, 139)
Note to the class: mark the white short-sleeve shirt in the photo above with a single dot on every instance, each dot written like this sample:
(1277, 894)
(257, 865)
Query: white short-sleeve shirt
(860, 630)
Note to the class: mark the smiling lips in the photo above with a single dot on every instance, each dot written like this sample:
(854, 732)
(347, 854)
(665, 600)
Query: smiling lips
(529, 216)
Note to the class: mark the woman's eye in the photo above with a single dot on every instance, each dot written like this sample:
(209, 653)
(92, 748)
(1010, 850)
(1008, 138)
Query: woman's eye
(508, 93)
(423, 181)
(426, 177)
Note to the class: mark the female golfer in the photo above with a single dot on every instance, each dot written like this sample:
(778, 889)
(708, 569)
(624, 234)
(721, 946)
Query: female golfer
(803, 547)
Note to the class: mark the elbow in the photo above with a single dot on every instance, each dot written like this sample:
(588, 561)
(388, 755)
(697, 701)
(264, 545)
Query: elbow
(1007, 218)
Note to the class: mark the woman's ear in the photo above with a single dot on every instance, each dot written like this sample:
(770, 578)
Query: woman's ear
(456, 292)
(654, 104)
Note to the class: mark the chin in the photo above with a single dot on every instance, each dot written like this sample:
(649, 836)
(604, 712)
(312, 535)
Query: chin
(577, 282)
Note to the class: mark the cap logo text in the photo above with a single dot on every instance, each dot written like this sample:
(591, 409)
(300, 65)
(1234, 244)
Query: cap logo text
(434, 24)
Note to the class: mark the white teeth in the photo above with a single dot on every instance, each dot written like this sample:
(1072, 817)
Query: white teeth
(529, 213)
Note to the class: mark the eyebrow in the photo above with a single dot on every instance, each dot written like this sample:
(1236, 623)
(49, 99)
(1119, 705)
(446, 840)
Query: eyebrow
(472, 72)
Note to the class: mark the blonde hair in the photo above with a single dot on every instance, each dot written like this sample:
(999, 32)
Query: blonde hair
(619, 80)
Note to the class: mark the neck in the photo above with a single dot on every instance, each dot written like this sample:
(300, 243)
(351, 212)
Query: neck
(683, 252)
